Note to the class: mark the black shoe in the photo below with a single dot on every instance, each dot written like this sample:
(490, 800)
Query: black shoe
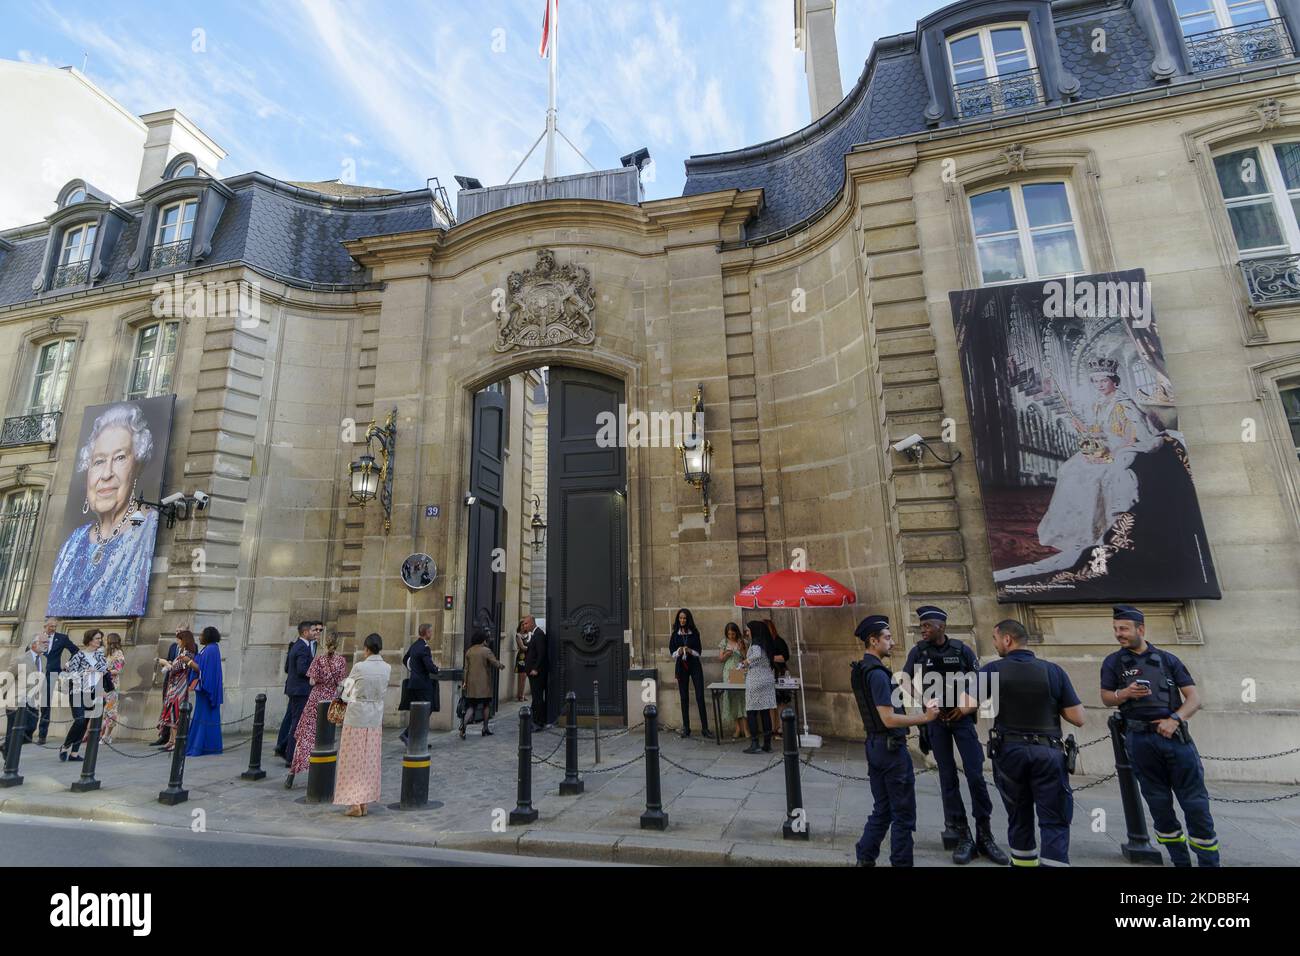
(964, 852)
(486, 732)
(684, 734)
(288, 781)
(462, 731)
(159, 742)
(706, 734)
(40, 741)
(753, 748)
(278, 751)
(987, 846)
(866, 863)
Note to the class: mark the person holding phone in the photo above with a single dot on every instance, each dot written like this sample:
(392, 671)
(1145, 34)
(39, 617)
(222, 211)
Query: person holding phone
(1156, 696)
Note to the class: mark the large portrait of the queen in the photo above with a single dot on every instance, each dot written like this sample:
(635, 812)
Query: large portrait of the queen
(1085, 476)
(103, 565)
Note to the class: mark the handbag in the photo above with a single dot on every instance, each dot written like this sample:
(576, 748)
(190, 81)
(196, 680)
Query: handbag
(435, 702)
(337, 711)
(460, 706)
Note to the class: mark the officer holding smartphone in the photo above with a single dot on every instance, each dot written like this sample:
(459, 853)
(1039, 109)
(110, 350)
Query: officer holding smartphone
(1156, 695)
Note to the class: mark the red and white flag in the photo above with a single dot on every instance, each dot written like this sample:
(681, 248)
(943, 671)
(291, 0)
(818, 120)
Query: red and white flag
(552, 10)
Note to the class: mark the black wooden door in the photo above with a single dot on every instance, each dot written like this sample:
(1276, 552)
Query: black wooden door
(485, 586)
(586, 546)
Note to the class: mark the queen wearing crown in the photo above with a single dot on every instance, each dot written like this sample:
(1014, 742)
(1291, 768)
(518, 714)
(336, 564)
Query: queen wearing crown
(1097, 484)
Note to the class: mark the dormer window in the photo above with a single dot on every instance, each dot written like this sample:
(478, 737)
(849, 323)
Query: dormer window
(184, 169)
(76, 196)
(74, 256)
(1227, 33)
(993, 70)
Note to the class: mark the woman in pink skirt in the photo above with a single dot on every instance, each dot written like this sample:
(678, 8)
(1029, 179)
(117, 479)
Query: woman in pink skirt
(325, 675)
(360, 763)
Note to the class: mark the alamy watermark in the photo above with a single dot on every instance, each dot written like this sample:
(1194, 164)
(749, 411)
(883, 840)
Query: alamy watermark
(197, 298)
(640, 429)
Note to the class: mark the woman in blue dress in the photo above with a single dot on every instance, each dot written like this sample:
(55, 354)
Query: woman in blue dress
(205, 722)
(102, 569)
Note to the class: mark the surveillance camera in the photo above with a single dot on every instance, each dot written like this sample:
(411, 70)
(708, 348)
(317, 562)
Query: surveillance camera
(173, 498)
(905, 444)
(201, 499)
(138, 518)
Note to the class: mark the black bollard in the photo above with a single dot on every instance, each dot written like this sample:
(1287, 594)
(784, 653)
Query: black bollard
(1138, 849)
(796, 815)
(255, 771)
(415, 763)
(13, 750)
(572, 783)
(176, 792)
(595, 709)
(654, 817)
(525, 812)
(324, 759)
(88, 781)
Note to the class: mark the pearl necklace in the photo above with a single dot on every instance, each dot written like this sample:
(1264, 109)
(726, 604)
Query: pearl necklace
(101, 544)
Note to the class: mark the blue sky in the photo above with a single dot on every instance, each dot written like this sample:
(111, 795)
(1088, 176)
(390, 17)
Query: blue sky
(401, 90)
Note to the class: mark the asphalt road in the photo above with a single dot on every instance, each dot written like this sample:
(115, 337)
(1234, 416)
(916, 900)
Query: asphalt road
(45, 841)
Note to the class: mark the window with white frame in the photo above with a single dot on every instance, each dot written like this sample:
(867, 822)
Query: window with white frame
(1261, 191)
(184, 169)
(50, 376)
(76, 196)
(78, 243)
(1026, 231)
(153, 361)
(990, 52)
(1290, 395)
(1203, 16)
(18, 513)
(176, 222)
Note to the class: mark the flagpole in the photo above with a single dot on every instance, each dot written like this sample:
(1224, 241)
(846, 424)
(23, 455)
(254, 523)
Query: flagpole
(552, 25)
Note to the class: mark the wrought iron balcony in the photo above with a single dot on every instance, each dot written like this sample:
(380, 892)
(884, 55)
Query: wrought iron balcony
(1238, 46)
(1273, 279)
(39, 429)
(170, 255)
(999, 94)
(74, 273)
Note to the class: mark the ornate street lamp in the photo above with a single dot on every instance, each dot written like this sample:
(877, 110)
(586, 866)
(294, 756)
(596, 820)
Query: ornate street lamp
(370, 480)
(695, 451)
(538, 525)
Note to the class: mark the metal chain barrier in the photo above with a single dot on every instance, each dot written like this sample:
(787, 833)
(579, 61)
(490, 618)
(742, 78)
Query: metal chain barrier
(1096, 783)
(1280, 753)
(152, 753)
(708, 776)
(1283, 796)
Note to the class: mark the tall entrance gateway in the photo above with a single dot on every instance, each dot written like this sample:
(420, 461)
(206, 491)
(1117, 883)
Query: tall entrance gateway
(533, 454)
(586, 590)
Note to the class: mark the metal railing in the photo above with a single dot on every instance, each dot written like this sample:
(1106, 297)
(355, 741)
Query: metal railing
(1272, 279)
(999, 94)
(170, 254)
(39, 428)
(1238, 45)
(74, 273)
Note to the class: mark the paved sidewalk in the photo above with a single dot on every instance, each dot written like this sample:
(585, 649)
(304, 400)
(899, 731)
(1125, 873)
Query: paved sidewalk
(733, 820)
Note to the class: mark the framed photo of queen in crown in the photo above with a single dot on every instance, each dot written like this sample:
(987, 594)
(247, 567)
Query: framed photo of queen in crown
(1085, 477)
(103, 565)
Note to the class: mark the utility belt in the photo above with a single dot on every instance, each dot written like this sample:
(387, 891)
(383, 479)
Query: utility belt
(1068, 746)
(1182, 734)
(892, 741)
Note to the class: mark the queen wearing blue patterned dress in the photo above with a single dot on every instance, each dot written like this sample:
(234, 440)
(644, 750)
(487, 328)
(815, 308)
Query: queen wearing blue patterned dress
(103, 567)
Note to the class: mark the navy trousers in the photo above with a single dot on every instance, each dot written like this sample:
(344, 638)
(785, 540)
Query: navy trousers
(289, 726)
(893, 792)
(942, 738)
(1168, 768)
(1033, 777)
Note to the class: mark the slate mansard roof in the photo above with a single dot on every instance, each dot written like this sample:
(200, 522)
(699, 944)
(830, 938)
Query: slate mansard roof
(802, 174)
(291, 233)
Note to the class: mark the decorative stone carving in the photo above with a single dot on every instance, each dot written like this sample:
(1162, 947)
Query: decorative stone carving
(1014, 157)
(548, 304)
(1269, 112)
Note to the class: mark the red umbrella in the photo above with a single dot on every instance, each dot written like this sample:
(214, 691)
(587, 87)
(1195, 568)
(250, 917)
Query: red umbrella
(796, 589)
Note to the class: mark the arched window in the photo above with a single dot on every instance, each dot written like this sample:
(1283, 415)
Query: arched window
(76, 196)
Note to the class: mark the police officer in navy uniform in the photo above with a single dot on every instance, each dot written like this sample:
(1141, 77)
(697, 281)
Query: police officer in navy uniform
(947, 662)
(1156, 695)
(889, 766)
(1029, 762)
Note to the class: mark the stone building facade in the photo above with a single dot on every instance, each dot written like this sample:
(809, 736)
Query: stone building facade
(803, 285)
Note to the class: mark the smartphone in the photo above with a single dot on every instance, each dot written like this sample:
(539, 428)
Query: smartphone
(1143, 683)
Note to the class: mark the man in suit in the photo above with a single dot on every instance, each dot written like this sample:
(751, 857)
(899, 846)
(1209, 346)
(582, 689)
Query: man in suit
(418, 659)
(59, 644)
(536, 665)
(296, 687)
(31, 675)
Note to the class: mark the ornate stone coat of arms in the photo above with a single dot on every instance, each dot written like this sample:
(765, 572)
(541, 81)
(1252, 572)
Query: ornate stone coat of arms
(547, 305)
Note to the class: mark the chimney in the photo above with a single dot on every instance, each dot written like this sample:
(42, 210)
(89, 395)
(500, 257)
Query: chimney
(171, 133)
(814, 22)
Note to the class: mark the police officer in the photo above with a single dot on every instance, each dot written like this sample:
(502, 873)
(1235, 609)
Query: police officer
(945, 664)
(1029, 762)
(889, 767)
(1156, 695)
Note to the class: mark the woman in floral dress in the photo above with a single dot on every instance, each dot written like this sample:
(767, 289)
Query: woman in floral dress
(116, 661)
(732, 653)
(325, 674)
(176, 683)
